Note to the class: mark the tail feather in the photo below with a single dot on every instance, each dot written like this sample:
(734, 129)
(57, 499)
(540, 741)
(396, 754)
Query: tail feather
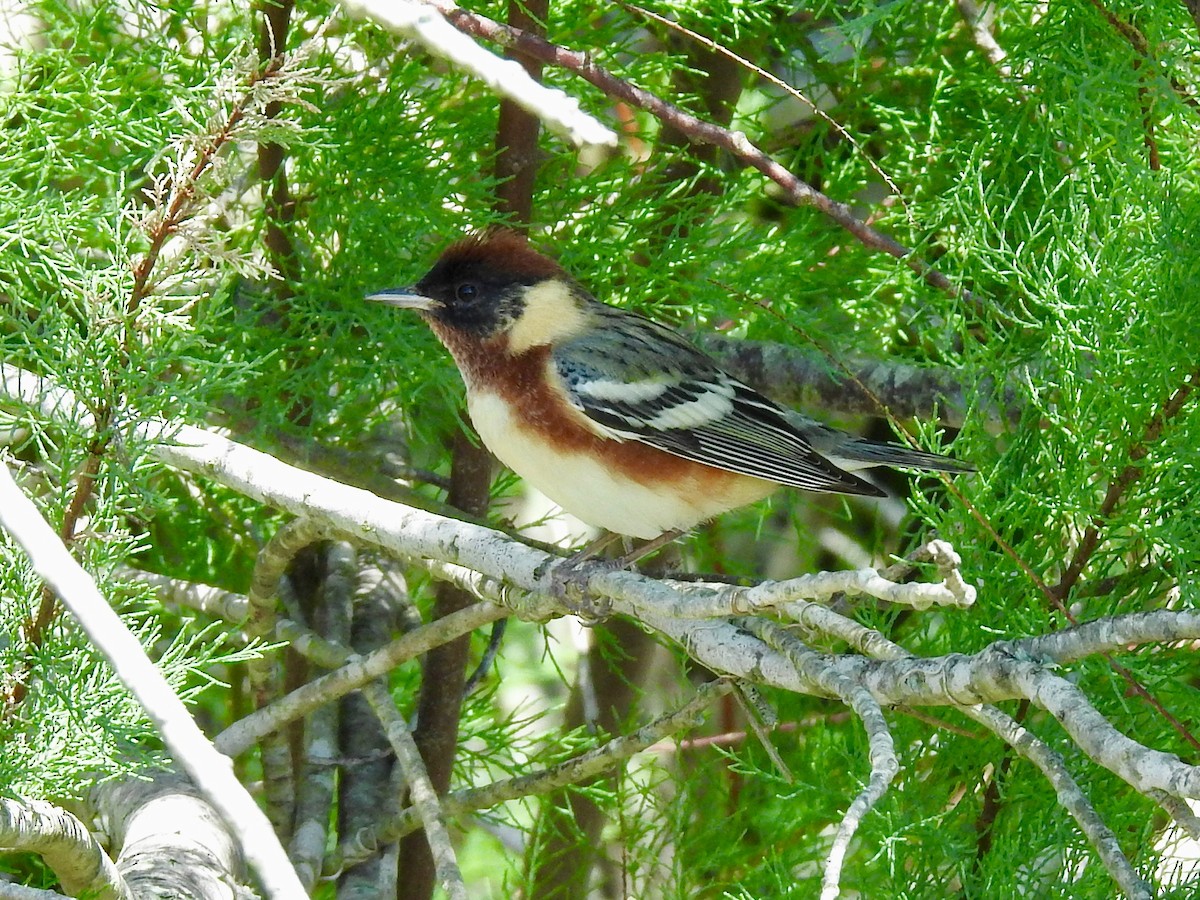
(859, 453)
(848, 452)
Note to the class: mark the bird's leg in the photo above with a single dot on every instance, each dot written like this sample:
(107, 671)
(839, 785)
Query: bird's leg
(599, 545)
(635, 555)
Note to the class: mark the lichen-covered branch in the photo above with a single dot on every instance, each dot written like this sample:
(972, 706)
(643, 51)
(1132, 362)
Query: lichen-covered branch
(208, 769)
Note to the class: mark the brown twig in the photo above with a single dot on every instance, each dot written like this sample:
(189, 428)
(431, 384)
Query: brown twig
(1091, 536)
(1133, 35)
(733, 142)
(762, 73)
(35, 627)
(993, 802)
(1119, 485)
(279, 206)
(1147, 103)
(178, 209)
(183, 191)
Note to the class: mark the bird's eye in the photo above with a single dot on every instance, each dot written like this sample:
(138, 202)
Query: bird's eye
(467, 292)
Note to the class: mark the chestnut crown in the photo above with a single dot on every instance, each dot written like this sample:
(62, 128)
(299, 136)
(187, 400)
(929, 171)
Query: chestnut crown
(479, 285)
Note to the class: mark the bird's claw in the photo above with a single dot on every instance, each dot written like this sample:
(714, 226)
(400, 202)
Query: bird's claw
(569, 585)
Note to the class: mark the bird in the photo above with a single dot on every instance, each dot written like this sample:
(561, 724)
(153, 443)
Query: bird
(615, 417)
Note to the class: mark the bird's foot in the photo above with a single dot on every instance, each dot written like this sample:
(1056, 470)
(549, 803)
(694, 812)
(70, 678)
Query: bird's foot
(569, 585)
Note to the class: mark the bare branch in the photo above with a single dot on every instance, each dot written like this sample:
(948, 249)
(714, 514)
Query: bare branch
(576, 770)
(1069, 795)
(155, 824)
(208, 768)
(802, 377)
(64, 844)
(424, 796)
(560, 112)
(882, 753)
(241, 735)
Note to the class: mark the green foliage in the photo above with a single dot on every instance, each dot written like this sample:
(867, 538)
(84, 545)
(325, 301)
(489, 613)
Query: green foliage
(1028, 182)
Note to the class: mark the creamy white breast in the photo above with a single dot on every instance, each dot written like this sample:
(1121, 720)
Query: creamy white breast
(595, 493)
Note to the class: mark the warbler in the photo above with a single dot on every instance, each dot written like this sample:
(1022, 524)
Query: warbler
(616, 418)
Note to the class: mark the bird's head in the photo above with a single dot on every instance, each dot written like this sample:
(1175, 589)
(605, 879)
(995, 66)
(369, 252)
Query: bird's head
(493, 284)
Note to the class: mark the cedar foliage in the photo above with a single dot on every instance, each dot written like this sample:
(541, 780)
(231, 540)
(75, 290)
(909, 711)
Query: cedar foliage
(1058, 186)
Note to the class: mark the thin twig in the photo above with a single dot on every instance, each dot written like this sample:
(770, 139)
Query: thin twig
(1119, 485)
(242, 735)
(881, 746)
(424, 797)
(770, 77)
(734, 142)
(1133, 35)
(576, 770)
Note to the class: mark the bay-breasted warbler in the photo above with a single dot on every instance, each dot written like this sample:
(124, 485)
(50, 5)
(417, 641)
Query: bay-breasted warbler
(616, 418)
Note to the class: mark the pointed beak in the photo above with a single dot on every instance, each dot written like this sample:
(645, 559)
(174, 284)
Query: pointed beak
(405, 298)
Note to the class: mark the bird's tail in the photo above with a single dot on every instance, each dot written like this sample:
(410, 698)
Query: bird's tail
(859, 453)
(848, 452)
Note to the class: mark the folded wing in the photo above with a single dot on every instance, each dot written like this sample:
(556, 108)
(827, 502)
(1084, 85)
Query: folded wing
(646, 384)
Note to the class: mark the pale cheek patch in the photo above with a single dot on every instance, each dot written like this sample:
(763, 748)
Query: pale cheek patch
(551, 314)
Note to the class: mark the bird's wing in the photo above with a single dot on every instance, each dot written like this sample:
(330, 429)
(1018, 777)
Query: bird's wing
(637, 380)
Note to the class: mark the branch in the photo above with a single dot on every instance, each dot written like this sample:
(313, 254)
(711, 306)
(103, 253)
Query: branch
(203, 598)
(424, 797)
(20, 892)
(979, 20)
(733, 142)
(576, 770)
(172, 842)
(775, 80)
(64, 844)
(884, 764)
(380, 598)
(316, 788)
(803, 378)
(265, 672)
(1068, 793)
(210, 770)
(244, 733)
(559, 111)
